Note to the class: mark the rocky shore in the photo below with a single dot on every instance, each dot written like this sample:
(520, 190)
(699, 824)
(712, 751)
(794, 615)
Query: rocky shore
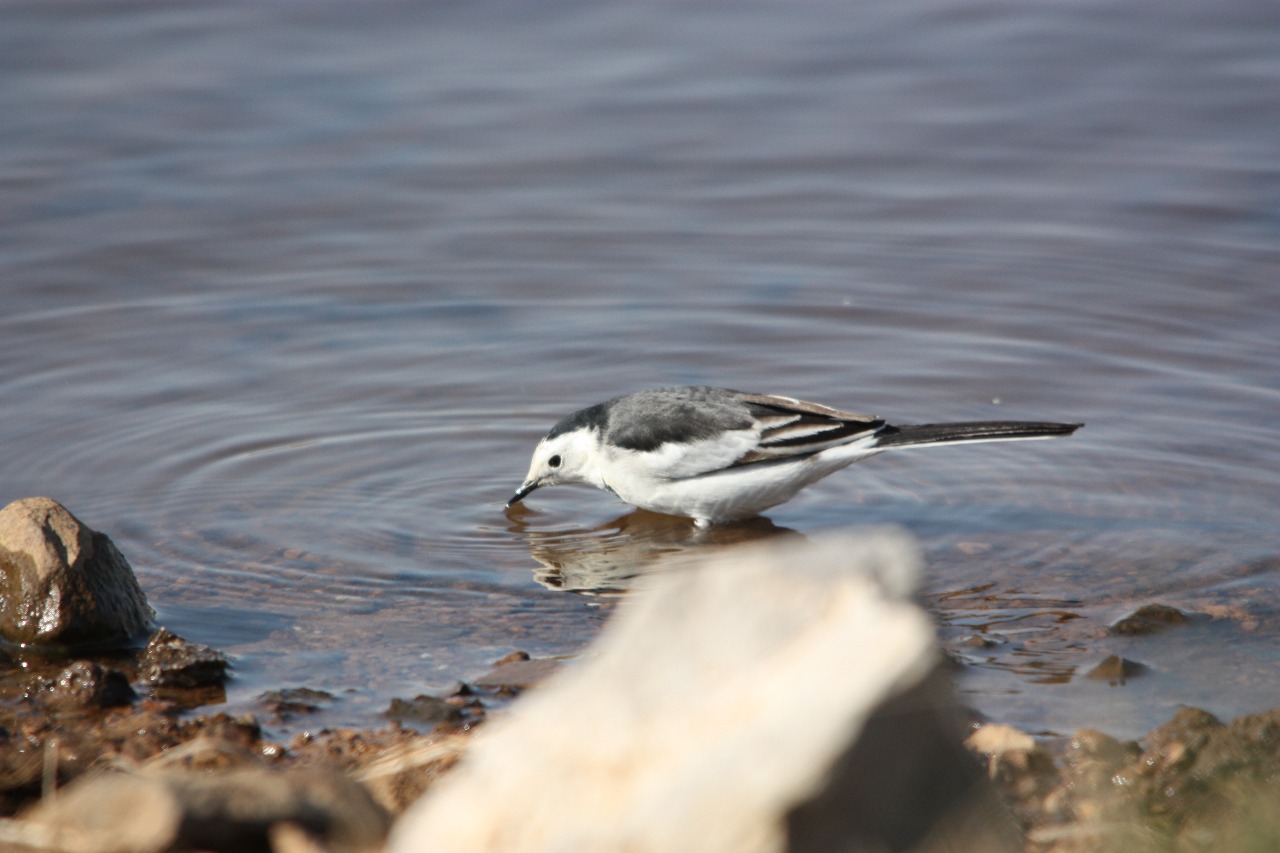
(715, 713)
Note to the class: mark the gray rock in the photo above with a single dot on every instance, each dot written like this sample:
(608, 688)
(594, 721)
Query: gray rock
(234, 811)
(62, 583)
(108, 813)
(775, 697)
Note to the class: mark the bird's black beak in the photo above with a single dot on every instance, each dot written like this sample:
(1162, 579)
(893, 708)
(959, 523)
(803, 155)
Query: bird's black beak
(522, 493)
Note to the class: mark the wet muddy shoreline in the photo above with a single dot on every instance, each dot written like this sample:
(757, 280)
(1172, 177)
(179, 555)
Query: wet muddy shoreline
(95, 695)
(1084, 791)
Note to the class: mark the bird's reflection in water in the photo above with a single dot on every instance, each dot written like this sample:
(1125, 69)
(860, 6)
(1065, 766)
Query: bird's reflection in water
(618, 555)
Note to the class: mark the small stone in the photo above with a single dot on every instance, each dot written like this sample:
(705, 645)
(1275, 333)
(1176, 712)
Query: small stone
(295, 700)
(62, 583)
(1150, 619)
(424, 709)
(518, 674)
(89, 685)
(1116, 669)
(170, 661)
(512, 658)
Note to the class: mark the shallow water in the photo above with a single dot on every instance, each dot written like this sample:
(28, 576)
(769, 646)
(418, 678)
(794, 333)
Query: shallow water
(290, 291)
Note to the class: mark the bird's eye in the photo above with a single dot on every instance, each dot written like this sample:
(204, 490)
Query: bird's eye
(554, 461)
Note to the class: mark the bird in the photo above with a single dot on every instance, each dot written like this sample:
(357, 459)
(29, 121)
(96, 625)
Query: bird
(718, 455)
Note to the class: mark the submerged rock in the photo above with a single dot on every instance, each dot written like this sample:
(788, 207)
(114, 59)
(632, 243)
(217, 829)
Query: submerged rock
(517, 672)
(772, 697)
(1116, 669)
(1150, 619)
(62, 583)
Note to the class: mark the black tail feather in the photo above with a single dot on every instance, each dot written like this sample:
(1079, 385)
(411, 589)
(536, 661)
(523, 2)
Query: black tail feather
(908, 434)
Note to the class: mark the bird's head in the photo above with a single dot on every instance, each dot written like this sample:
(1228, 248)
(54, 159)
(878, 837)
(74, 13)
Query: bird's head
(560, 458)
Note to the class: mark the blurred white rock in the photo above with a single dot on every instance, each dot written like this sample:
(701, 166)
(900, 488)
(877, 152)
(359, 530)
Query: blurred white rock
(775, 696)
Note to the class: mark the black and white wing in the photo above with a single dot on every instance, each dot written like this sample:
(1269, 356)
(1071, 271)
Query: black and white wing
(790, 427)
(689, 432)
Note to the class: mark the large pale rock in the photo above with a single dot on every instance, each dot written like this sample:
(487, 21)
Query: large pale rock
(63, 583)
(779, 696)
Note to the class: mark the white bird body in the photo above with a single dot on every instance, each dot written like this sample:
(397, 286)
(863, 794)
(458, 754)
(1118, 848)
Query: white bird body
(714, 455)
(728, 493)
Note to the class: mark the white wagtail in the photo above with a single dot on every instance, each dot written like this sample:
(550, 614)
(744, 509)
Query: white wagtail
(714, 455)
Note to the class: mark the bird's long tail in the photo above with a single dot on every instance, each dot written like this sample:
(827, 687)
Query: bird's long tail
(917, 434)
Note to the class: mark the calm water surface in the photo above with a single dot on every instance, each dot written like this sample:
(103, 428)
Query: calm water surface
(289, 291)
